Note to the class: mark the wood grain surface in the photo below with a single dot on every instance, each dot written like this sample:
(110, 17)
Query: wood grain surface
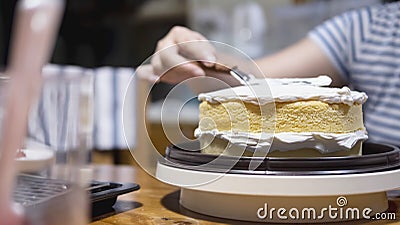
(158, 203)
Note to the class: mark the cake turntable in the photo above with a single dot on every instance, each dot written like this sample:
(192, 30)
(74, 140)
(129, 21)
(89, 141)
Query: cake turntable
(283, 190)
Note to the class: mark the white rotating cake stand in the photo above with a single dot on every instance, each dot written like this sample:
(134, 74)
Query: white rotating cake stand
(283, 198)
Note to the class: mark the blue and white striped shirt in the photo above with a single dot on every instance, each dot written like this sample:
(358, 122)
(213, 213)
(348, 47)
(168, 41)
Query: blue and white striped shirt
(364, 46)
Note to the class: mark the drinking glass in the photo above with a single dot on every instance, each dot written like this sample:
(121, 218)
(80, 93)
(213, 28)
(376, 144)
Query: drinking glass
(60, 124)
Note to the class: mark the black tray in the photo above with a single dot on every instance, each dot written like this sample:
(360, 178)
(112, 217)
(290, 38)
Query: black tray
(375, 157)
(32, 190)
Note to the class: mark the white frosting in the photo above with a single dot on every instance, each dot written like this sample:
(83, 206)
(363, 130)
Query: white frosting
(286, 141)
(280, 90)
(322, 80)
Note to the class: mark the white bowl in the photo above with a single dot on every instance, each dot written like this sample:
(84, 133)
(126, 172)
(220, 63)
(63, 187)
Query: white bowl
(35, 160)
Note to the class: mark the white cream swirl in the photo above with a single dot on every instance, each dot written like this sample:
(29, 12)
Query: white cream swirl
(267, 92)
(286, 141)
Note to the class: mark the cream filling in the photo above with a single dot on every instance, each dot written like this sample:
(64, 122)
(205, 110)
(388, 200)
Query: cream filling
(278, 91)
(286, 141)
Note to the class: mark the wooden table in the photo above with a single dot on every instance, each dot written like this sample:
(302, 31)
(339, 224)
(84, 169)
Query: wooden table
(158, 203)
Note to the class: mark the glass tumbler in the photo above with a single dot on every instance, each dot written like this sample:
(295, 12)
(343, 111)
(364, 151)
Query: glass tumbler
(60, 136)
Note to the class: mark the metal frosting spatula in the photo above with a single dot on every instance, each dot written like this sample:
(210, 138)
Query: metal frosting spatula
(35, 26)
(242, 77)
(239, 77)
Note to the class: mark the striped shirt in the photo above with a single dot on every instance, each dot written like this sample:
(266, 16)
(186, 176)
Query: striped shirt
(364, 46)
(53, 120)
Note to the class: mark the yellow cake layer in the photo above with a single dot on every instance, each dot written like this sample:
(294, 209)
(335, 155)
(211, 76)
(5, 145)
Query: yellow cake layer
(299, 116)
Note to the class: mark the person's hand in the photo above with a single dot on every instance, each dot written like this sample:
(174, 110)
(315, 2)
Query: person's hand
(180, 55)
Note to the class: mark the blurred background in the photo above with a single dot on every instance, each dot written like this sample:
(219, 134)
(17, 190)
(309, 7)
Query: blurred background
(123, 33)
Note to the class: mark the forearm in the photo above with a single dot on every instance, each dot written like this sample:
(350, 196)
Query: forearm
(303, 59)
(183, 54)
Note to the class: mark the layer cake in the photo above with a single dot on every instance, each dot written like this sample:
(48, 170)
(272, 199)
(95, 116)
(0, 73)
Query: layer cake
(282, 118)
